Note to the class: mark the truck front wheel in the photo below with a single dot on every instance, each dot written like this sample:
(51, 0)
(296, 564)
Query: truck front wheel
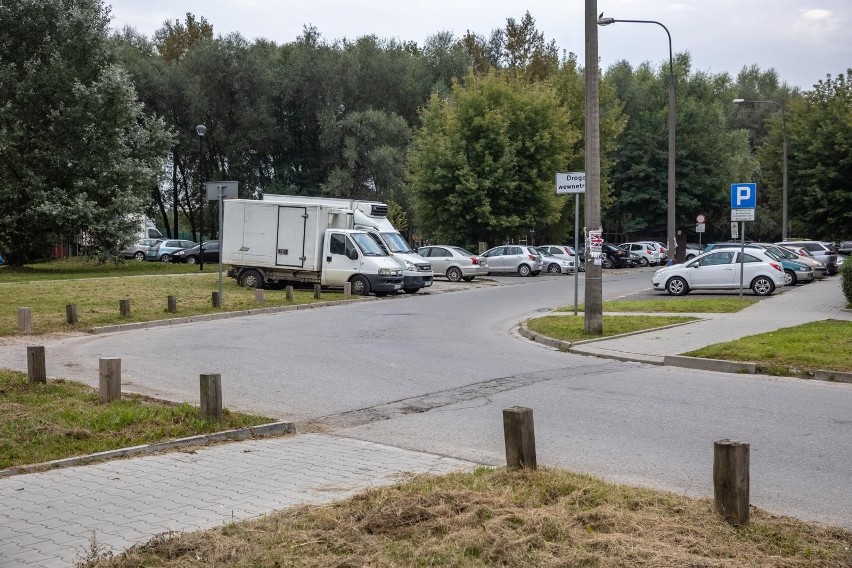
(411, 290)
(251, 279)
(360, 285)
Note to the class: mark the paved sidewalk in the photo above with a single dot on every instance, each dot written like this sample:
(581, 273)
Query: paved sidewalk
(47, 519)
(816, 301)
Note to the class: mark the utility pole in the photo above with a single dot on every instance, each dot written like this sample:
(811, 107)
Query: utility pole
(594, 270)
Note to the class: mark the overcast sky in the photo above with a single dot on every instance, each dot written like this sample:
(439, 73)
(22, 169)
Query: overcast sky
(803, 40)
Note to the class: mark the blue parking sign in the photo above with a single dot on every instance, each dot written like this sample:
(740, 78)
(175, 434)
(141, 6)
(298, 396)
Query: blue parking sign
(743, 195)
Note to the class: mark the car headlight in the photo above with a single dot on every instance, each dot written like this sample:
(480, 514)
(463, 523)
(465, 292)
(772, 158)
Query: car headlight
(179, 253)
(384, 271)
(410, 266)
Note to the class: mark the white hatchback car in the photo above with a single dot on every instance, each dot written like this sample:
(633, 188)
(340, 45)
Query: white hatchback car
(720, 270)
(647, 252)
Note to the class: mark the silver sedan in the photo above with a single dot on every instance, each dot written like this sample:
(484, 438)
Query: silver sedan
(455, 263)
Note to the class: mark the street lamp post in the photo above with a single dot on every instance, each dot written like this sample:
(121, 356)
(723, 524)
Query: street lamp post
(784, 234)
(200, 130)
(670, 219)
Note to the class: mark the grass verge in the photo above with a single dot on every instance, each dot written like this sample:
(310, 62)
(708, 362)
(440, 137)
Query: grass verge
(497, 517)
(62, 419)
(674, 305)
(97, 299)
(791, 351)
(572, 328)
(81, 268)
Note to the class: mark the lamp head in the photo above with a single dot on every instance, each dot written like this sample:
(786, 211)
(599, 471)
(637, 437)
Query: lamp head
(605, 21)
(200, 129)
(739, 101)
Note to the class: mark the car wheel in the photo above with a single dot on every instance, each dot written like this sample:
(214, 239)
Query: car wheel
(191, 260)
(139, 255)
(360, 285)
(524, 270)
(790, 278)
(762, 286)
(643, 262)
(677, 286)
(553, 268)
(166, 258)
(468, 278)
(454, 274)
(251, 279)
(411, 290)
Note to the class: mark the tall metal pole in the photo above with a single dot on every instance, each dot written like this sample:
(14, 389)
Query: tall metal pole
(200, 130)
(593, 322)
(671, 222)
(784, 232)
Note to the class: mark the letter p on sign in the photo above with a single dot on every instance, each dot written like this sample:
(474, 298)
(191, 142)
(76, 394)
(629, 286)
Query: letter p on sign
(743, 195)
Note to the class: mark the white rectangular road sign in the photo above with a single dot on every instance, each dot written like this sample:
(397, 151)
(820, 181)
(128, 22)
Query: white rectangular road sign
(735, 230)
(699, 228)
(571, 182)
(742, 214)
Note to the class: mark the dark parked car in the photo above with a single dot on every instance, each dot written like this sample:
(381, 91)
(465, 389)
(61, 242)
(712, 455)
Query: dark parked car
(190, 255)
(616, 257)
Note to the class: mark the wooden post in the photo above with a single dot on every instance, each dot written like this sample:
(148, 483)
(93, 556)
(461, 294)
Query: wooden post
(36, 368)
(289, 290)
(211, 397)
(216, 300)
(25, 320)
(317, 291)
(347, 289)
(731, 480)
(519, 434)
(172, 302)
(124, 306)
(258, 296)
(71, 314)
(110, 379)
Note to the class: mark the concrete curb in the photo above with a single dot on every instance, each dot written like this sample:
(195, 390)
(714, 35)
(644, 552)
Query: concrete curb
(264, 430)
(218, 316)
(710, 364)
(834, 376)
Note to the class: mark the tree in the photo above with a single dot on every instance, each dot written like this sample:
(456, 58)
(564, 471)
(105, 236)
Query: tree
(483, 163)
(819, 127)
(175, 39)
(77, 153)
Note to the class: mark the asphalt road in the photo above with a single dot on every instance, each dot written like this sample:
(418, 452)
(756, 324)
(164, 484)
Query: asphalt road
(433, 372)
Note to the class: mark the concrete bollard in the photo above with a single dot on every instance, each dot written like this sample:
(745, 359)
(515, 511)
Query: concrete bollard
(172, 304)
(36, 368)
(731, 480)
(124, 307)
(289, 292)
(109, 379)
(216, 300)
(317, 291)
(519, 435)
(259, 296)
(211, 396)
(347, 289)
(71, 314)
(25, 320)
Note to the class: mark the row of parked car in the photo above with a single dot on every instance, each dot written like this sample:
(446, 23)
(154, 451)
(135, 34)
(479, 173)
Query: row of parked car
(762, 267)
(172, 250)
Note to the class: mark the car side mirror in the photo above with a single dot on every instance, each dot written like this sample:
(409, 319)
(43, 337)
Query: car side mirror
(352, 254)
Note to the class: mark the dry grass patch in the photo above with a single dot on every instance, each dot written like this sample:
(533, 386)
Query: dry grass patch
(501, 518)
(572, 328)
(674, 304)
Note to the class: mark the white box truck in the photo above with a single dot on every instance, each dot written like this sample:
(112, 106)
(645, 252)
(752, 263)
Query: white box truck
(267, 242)
(372, 215)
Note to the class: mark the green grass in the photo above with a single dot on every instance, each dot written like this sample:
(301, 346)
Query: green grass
(674, 305)
(60, 419)
(97, 295)
(791, 351)
(571, 328)
(80, 267)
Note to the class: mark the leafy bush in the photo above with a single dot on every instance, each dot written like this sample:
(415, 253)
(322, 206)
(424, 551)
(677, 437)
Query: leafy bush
(846, 279)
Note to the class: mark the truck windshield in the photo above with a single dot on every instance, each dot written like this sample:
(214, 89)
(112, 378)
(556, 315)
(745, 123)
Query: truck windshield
(368, 246)
(396, 243)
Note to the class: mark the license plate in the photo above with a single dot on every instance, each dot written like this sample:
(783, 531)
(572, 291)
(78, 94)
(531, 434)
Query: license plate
(397, 286)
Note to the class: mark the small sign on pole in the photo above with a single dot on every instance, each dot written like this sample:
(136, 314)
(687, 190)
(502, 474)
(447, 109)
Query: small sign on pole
(571, 182)
(742, 214)
(735, 230)
(699, 228)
